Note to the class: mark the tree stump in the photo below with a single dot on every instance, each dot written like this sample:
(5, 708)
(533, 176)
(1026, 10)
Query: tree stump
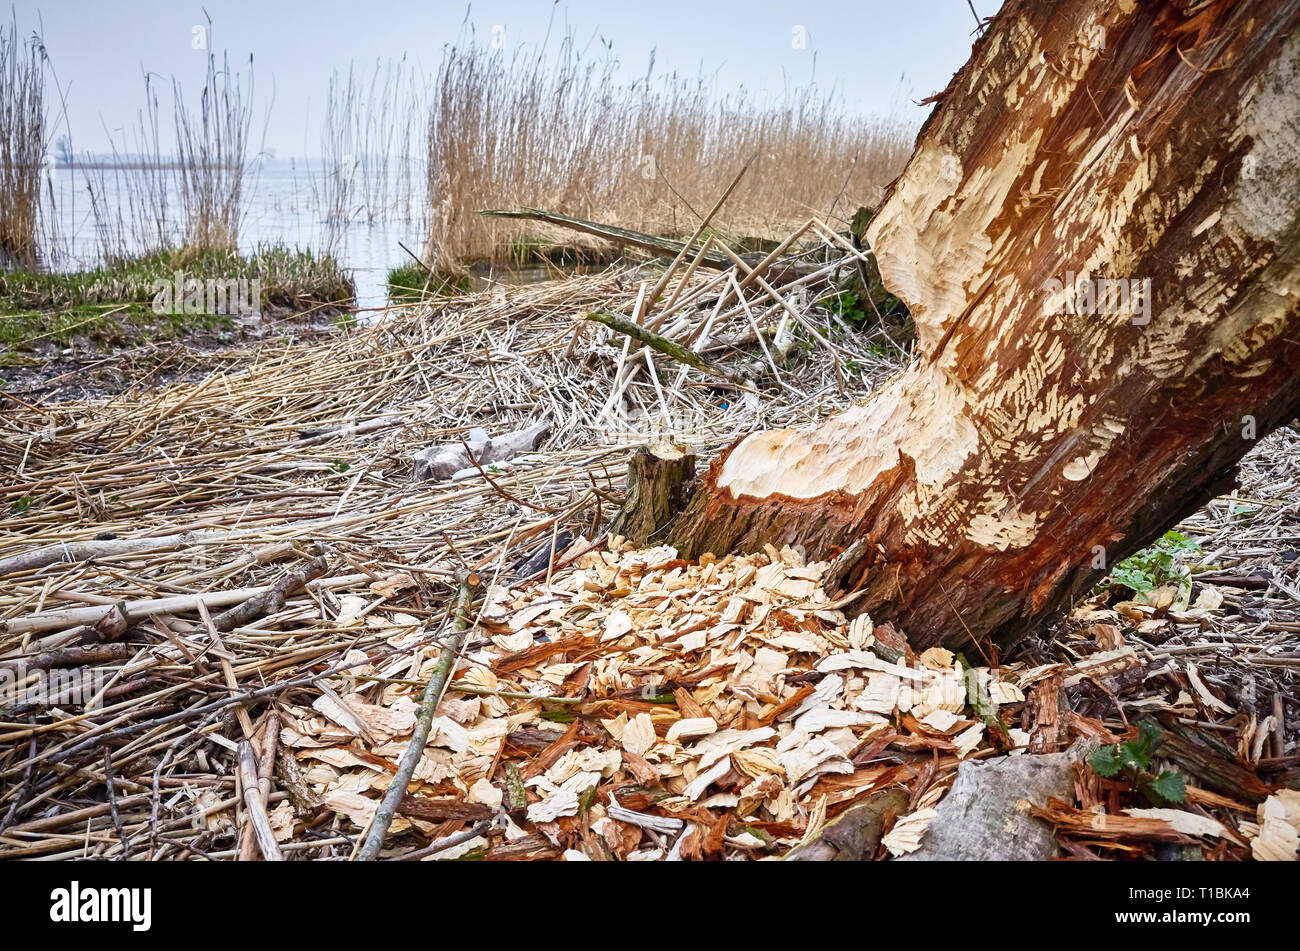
(658, 480)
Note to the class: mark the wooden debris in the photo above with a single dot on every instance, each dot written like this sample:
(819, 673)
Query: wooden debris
(762, 711)
(621, 236)
(855, 834)
(273, 599)
(423, 722)
(270, 738)
(444, 461)
(987, 814)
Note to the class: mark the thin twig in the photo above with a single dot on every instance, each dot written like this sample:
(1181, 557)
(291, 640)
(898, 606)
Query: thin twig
(438, 678)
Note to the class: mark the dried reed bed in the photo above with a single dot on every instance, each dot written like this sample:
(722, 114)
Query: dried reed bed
(294, 464)
(562, 132)
(22, 143)
(270, 554)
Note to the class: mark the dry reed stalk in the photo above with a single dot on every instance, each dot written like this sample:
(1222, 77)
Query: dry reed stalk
(371, 169)
(658, 289)
(212, 155)
(22, 143)
(191, 195)
(255, 805)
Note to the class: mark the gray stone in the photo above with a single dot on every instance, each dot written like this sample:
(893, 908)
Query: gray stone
(981, 819)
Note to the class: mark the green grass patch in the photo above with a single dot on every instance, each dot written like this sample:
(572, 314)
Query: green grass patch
(411, 282)
(114, 304)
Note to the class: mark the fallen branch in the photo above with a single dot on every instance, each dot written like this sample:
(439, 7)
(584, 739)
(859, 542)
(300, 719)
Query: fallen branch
(442, 810)
(638, 239)
(272, 599)
(72, 657)
(855, 835)
(138, 610)
(85, 551)
(387, 809)
(443, 844)
(665, 346)
(310, 437)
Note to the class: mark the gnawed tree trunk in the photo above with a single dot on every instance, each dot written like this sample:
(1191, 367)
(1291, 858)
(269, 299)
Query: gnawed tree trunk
(1086, 139)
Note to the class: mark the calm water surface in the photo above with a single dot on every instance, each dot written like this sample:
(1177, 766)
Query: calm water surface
(279, 208)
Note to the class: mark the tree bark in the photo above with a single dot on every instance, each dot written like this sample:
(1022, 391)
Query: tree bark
(657, 477)
(1027, 449)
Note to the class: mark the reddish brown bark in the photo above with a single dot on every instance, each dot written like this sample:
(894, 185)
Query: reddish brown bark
(972, 496)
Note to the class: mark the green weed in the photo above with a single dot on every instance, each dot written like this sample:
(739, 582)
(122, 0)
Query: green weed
(1157, 566)
(1132, 758)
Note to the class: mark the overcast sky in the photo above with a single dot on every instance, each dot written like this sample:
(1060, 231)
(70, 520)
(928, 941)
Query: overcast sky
(882, 55)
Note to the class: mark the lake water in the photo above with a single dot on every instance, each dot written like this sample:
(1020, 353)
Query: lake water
(279, 208)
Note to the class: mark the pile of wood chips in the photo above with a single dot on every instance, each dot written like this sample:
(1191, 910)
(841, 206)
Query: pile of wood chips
(637, 706)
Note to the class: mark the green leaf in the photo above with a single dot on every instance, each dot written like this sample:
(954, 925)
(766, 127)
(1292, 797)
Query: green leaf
(1148, 734)
(1105, 761)
(1133, 757)
(1168, 787)
(1153, 567)
(1134, 578)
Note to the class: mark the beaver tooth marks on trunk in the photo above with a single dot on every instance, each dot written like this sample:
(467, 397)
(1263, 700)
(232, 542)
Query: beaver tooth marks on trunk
(1099, 238)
